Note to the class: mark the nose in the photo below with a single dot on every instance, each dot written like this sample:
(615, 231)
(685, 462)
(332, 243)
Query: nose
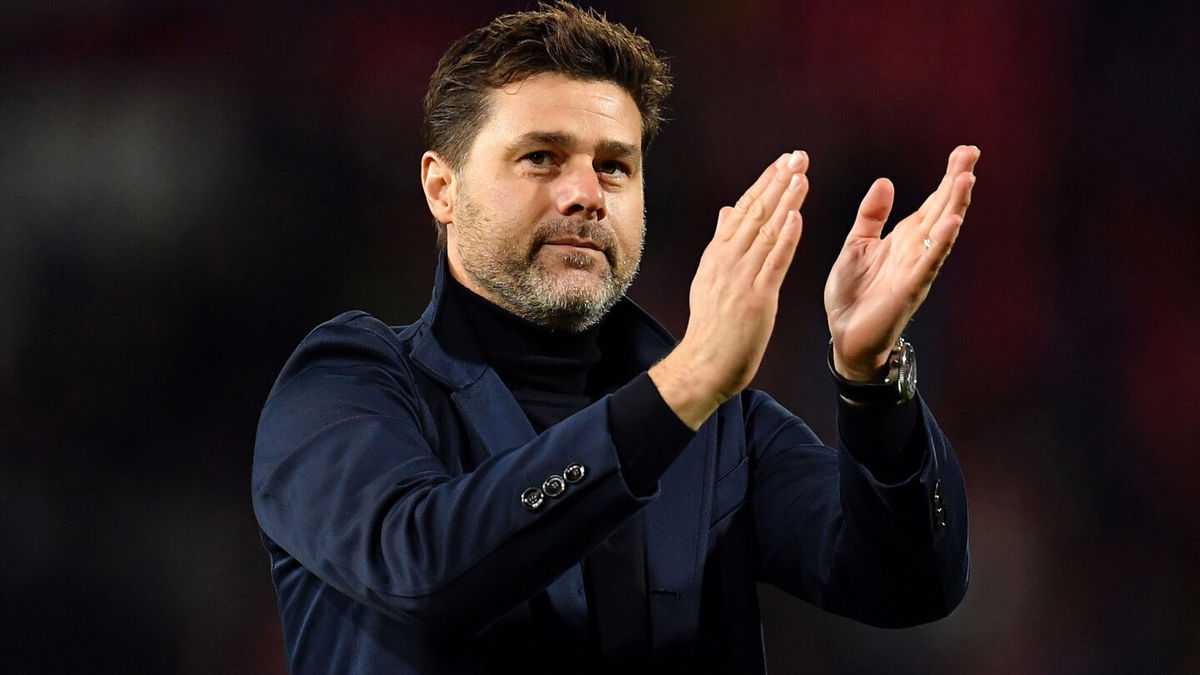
(579, 191)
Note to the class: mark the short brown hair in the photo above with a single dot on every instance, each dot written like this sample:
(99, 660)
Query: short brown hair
(559, 38)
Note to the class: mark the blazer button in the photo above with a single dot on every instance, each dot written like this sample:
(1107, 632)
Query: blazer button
(533, 499)
(574, 472)
(554, 486)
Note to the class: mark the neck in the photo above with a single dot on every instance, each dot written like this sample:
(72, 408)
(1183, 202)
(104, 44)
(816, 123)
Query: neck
(529, 357)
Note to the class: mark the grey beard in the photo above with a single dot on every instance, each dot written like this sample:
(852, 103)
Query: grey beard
(527, 289)
(518, 282)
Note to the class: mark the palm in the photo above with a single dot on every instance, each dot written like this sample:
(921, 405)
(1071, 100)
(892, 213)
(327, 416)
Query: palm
(877, 283)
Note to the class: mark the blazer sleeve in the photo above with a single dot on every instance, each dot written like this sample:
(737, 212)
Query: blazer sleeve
(346, 480)
(889, 550)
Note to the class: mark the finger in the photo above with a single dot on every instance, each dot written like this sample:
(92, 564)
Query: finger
(943, 185)
(874, 210)
(962, 158)
(945, 231)
(956, 205)
(960, 199)
(726, 227)
(779, 260)
(768, 235)
(758, 212)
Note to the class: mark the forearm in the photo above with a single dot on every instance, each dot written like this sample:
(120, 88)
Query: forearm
(418, 544)
(647, 433)
(363, 482)
(854, 544)
(904, 556)
(888, 440)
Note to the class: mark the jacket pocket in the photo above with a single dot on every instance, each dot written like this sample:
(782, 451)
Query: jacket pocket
(730, 491)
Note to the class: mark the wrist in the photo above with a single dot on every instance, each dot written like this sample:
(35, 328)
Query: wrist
(685, 389)
(897, 384)
(871, 371)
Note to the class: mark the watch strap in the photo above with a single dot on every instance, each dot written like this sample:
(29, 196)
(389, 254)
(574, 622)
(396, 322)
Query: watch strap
(898, 386)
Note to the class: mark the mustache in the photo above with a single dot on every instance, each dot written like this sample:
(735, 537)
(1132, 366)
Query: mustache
(603, 236)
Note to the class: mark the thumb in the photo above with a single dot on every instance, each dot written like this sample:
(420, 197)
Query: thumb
(874, 209)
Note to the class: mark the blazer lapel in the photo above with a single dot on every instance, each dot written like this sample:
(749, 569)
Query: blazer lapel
(492, 413)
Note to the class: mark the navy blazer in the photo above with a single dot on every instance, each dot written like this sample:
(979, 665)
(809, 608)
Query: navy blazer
(388, 476)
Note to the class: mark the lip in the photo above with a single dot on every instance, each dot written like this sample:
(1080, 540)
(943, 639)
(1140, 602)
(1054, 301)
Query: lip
(575, 243)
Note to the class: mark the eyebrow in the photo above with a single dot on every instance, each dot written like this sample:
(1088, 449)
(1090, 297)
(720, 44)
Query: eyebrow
(608, 147)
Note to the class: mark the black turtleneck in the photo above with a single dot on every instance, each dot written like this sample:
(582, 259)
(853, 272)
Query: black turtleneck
(554, 374)
(549, 372)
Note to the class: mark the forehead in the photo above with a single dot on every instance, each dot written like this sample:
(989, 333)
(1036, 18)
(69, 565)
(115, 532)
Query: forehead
(591, 110)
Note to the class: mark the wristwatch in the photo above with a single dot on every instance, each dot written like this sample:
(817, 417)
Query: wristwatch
(899, 386)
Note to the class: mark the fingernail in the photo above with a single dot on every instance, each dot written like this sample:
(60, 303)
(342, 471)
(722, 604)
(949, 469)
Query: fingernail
(794, 183)
(793, 162)
(783, 160)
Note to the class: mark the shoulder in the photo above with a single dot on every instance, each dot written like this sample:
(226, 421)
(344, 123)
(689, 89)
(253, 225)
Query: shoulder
(357, 327)
(350, 340)
(361, 325)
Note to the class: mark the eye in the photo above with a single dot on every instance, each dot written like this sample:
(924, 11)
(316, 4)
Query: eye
(614, 168)
(539, 158)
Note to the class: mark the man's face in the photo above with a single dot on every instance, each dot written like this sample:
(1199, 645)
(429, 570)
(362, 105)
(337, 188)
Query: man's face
(548, 217)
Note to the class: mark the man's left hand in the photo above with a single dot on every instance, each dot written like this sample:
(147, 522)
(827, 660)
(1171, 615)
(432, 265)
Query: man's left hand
(877, 283)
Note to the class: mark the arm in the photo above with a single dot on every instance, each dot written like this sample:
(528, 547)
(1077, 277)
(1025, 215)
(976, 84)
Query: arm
(853, 534)
(348, 481)
(850, 530)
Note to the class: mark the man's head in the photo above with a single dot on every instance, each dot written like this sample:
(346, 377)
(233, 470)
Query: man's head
(536, 126)
(559, 39)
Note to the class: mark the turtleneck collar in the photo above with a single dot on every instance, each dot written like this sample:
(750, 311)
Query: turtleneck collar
(530, 358)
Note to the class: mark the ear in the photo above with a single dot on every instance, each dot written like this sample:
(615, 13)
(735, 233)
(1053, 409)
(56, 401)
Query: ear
(437, 180)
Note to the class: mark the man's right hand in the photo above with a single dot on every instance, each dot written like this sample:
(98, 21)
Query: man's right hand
(735, 294)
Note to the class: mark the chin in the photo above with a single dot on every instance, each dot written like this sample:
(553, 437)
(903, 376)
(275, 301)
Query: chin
(574, 268)
(575, 286)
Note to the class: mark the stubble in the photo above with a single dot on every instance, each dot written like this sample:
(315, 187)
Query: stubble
(515, 276)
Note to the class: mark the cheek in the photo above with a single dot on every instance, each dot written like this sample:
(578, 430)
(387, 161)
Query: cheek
(630, 225)
(518, 205)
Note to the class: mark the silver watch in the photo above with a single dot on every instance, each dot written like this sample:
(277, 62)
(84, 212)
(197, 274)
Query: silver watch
(898, 386)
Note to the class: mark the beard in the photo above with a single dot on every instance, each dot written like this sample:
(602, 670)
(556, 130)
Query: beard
(573, 295)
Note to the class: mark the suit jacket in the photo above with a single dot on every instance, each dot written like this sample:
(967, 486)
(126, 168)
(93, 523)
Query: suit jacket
(390, 476)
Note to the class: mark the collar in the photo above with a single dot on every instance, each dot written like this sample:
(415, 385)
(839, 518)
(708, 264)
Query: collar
(529, 357)
(447, 349)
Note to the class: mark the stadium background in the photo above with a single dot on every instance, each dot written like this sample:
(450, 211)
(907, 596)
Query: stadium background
(186, 188)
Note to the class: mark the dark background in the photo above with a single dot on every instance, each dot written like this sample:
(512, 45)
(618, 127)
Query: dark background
(186, 190)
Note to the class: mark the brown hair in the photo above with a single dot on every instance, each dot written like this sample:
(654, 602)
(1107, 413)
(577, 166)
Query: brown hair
(559, 38)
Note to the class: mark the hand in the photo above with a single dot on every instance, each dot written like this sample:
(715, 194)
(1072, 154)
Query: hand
(735, 294)
(877, 284)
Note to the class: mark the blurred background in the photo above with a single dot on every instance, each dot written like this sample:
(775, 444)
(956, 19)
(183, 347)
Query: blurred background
(187, 188)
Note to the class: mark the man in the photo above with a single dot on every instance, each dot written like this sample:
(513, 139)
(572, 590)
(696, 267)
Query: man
(535, 475)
